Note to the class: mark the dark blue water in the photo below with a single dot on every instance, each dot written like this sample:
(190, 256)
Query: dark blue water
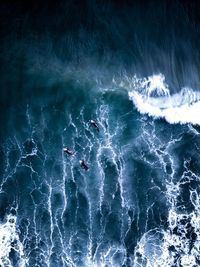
(133, 68)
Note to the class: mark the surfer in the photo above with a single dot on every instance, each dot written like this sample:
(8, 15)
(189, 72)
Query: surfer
(83, 164)
(68, 151)
(94, 124)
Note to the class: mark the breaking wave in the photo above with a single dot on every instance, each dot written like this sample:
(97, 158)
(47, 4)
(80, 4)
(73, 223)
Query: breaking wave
(152, 96)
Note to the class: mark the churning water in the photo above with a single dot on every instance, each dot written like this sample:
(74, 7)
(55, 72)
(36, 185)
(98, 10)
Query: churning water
(138, 204)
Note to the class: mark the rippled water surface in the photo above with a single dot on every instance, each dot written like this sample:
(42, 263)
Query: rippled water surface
(136, 74)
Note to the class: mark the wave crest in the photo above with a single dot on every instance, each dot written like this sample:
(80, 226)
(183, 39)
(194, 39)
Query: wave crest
(152, 96)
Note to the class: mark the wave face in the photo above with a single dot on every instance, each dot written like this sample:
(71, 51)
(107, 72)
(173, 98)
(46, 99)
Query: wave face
(134, 69)
(152, 97)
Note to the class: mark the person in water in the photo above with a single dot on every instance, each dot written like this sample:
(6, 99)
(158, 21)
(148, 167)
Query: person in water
(68, 151)
(83, 164)
(94, 124)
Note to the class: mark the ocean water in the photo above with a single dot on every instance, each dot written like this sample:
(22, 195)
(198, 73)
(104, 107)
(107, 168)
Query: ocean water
(134, 69)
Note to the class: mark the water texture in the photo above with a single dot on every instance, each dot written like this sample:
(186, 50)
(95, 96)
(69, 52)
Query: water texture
(133, 68)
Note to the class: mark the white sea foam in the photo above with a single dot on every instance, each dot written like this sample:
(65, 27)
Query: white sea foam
(178, 245)
(9, 240)
(108, 255)
(152, 96)
(171, 247)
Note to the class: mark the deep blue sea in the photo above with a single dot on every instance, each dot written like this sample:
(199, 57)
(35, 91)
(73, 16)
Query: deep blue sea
(133, 68)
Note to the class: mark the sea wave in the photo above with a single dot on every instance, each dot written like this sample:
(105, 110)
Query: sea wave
(152, 96)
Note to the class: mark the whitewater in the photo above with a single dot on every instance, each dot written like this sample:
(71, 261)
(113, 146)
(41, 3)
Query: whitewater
(181, 107)
(138, 205)
(134, 70)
